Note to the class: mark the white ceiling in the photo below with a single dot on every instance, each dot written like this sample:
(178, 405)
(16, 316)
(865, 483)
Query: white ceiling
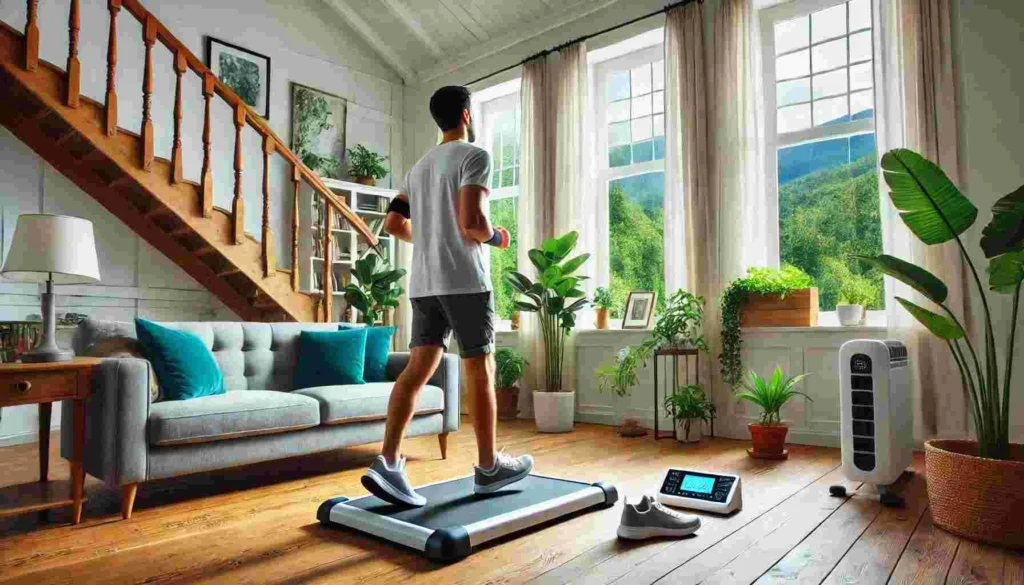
(423, 39)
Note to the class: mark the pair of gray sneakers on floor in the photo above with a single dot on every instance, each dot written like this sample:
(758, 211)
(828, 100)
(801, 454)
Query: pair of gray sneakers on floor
(392, 485)
(649, 519)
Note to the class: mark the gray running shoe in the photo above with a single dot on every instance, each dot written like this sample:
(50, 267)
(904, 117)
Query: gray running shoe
(391, 484)
(507, 470)
(649, 519)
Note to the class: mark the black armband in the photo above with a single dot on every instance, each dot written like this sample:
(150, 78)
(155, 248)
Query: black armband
(399, 206)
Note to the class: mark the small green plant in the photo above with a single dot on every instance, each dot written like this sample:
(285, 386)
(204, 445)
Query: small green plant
(778, 281)
(770, 395)
(363, 162)
(603, 298)
(312, 114)
(510, 367)
(688, 404)
(377, 289)
(857, 290)
(620, 377)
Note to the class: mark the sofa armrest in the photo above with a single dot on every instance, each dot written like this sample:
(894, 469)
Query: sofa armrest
(116, 417)
(446, 377)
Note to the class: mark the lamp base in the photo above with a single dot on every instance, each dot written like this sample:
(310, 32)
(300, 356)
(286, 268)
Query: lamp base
(39, 356)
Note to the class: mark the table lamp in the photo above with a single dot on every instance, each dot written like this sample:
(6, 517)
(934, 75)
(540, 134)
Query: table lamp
(55, 249)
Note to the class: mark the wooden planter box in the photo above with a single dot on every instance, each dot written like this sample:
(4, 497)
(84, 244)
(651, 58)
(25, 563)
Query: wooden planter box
(797, 309)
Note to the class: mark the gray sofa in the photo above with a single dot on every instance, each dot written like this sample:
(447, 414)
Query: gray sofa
(131, 439)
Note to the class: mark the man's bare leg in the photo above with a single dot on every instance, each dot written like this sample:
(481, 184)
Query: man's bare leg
(480, 383)
(423, 362)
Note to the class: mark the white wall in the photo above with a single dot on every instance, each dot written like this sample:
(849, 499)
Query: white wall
(307, 42)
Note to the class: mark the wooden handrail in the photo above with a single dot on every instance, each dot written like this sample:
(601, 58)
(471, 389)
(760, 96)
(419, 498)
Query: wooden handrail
(136, 9)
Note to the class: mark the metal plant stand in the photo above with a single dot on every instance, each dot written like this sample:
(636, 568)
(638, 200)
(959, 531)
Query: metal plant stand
(674, 354)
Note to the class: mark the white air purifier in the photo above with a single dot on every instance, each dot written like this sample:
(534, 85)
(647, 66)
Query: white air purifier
(876, 419)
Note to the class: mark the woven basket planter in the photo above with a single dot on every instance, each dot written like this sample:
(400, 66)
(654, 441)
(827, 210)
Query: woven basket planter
(981, 499)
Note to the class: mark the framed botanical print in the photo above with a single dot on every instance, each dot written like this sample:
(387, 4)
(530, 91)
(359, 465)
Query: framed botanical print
(639, 309)
(246, 72)
(319, 122)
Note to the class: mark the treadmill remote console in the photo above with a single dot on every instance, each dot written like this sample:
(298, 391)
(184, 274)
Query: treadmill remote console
(711, 492)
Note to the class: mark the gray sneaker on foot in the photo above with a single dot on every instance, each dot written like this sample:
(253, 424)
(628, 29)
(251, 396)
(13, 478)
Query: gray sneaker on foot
(390, 483)
(649, 519)
(507, 470)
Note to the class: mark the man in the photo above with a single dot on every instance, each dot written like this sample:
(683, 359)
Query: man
(442, 211)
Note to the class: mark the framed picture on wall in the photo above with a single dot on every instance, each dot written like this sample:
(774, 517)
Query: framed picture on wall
(246, 72)
(319, 127)
(639, 309)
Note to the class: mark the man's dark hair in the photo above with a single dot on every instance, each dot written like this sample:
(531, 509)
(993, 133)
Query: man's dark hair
(446, 106)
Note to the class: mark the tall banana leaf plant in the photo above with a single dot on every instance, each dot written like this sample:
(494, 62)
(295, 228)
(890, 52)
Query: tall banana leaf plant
(935, 210)
(376, 289)
(556, 297)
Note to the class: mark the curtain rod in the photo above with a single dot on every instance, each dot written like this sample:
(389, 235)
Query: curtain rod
(557, 48)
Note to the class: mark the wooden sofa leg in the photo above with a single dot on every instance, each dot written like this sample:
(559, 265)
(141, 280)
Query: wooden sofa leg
(128, 492)
(442, 440)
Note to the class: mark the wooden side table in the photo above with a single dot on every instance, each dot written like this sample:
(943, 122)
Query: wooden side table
(44, 384)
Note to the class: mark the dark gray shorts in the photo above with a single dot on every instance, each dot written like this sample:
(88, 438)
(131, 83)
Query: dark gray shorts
(471, 316)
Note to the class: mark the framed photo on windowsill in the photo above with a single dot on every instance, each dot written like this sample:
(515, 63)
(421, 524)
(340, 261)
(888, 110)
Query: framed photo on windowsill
(246, 72)
(639, 309)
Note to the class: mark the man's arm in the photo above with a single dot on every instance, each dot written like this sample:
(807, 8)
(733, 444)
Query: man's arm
(474, 223)
(397, 221)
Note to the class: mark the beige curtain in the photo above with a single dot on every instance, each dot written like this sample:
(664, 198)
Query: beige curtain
(553, 98)
(916, 99)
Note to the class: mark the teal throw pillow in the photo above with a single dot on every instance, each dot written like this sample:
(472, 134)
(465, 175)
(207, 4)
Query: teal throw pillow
(378, 347)
(184, 367)
(330, 358)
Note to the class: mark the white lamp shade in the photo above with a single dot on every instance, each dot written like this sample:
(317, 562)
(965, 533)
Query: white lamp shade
(56, 245)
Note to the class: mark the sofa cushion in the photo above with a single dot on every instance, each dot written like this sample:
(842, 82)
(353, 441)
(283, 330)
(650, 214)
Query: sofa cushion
(184, 366)
(235, 414)
(378, 348)
(330, 357)
(363, 402)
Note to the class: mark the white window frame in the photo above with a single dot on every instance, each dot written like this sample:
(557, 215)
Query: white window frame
(487, 104)
(768, 17)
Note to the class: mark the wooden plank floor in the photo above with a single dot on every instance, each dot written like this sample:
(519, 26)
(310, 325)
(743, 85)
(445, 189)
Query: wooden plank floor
(257, 524)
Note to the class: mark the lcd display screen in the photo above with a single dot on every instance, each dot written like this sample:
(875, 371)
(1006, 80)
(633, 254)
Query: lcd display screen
(698, 484)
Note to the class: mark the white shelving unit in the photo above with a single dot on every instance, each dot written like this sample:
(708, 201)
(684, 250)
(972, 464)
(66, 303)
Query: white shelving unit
(370, 204)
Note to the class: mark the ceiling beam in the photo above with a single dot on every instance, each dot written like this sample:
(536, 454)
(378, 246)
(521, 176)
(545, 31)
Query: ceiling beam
(376, 42)
(465, 18)
(399, 9)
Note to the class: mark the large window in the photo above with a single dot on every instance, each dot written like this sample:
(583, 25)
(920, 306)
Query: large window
(629, 99)
(818, 79)
(496, 117)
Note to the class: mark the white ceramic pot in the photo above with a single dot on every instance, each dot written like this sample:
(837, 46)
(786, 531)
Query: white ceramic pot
(689, 430)
(554, 411)
(850, 315)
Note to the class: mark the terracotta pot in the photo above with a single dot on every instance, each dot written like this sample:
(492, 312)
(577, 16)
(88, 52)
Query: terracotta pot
(508, 403)
(769, 441)
(368, 181)
(515, 321)
(631, 425)
(602, 318)
(981, 499)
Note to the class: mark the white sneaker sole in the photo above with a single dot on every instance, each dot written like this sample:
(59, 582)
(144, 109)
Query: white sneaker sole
(493, 487)
(383, 489)
(641, 533)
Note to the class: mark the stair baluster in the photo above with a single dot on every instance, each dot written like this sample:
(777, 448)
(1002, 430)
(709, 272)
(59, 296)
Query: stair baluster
(111, 105)
(269, 263)
(238, 205)
(74, 67)
(179, 69)
(206, 205)
(32, 36)
(149, 38)
(328, 268)
(296, 182)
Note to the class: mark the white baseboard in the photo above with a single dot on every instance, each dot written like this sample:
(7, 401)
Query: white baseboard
(20, 439)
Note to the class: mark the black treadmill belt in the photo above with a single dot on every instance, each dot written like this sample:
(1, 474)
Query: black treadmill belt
(453, 503)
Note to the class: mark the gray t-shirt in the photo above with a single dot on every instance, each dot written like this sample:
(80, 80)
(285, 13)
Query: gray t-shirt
(443, 262)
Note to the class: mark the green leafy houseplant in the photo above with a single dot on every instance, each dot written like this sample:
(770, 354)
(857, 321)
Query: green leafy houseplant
(312, 114)
(555, 296)
(689, 404)
(510, 367)
(377, 289)
(603, 298)
(764, 281)
(857, 290)
(363, 162)
(935, 210)
(770, 395)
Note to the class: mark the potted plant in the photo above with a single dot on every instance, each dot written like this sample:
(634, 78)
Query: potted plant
(770, 287)
(856, 295)
(556, 298)
(769, 433)
(973, 486)
(366, 166)
(691, 408)
(619, 378)
(603, 303)
(377, 290)
(509, 368)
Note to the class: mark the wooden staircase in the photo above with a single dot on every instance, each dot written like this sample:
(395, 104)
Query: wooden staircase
(41, 105)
